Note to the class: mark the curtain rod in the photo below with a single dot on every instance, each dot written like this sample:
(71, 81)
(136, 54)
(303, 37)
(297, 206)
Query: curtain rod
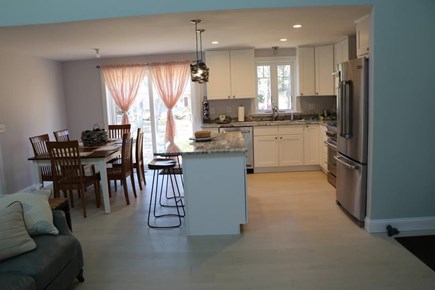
(145, 64)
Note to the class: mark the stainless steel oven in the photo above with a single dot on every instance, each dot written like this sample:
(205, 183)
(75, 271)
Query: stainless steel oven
(247, 135)
(331, 133)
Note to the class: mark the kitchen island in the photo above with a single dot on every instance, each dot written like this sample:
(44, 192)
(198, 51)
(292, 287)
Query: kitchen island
(215, 192)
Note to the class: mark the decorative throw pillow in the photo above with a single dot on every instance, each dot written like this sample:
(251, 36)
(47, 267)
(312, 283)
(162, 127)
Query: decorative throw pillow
(38, 216)
(14, 238)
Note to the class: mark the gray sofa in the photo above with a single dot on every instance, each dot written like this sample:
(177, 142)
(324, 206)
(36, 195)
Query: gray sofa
(53, 265)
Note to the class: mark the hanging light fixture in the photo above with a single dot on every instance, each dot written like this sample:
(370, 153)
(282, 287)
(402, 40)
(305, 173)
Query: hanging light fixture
(198, 70)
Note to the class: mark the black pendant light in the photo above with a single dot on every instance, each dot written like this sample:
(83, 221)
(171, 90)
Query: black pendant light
(198, 70)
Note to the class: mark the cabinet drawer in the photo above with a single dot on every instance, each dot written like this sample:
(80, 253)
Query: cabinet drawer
(291, 130)
(265, 130)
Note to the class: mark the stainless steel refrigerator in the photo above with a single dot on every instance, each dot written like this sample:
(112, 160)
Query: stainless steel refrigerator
(352, 127)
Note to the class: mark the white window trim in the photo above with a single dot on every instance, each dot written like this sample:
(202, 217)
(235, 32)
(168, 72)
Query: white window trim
(279, 60)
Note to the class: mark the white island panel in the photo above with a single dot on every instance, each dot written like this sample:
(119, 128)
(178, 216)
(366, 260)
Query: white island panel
(215, 193)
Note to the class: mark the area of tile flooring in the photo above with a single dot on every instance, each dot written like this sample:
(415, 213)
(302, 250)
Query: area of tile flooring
(296, 238)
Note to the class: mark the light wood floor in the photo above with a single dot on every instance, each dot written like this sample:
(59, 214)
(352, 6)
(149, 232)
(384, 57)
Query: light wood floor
(296, 238)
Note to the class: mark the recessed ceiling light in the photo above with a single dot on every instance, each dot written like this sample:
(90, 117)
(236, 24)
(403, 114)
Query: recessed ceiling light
(215, 42)
(283, 39)
(297, 26)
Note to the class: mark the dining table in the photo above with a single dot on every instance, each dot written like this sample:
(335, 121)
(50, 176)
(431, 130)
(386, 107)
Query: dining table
(96, 155)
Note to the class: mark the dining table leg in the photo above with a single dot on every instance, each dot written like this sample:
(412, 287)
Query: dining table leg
(104, 185)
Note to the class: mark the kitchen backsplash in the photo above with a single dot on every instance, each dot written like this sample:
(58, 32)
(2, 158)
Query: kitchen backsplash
(317, 104)
(308, 105)
(228, 107)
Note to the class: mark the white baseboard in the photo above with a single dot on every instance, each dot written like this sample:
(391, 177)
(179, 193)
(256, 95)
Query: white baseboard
(287, 168)
(402, 224)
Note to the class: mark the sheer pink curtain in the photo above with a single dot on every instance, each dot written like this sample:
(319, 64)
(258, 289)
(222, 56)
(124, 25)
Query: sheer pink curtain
(123, 82)
(170, 80)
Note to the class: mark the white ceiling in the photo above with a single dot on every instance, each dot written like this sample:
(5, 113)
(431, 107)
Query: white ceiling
(173, 33)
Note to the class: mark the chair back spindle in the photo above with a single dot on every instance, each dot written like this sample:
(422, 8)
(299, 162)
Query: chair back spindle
(61, 135)
(118, 131)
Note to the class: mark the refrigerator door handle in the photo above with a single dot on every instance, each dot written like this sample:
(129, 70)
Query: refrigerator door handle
(350, 166)
(346, 99)
(341, 107)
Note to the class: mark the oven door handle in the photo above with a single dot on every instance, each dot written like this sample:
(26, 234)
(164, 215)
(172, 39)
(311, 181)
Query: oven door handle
(332, 145)
(340, 160)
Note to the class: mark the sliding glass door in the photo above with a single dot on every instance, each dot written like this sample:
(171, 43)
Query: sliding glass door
(149, 112)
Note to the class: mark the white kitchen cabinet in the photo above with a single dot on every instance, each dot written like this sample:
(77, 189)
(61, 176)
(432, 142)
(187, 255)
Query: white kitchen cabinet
(266, 151)
(306, 64)
(291, 150)
(323, 148)
(315, 67)
(311, 144)
(344, 50)
(324, 57)
(231, 74)
(277, 146)
(362, 36)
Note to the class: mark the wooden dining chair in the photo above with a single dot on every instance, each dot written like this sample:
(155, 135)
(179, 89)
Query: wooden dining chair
(40, 148)
(68, 173)
(139, 164)
(61, 135)
(125, 169)
(118, 131)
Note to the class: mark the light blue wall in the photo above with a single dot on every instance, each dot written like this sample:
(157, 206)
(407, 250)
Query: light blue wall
(13, 12)
(402, 90)
(403, 183)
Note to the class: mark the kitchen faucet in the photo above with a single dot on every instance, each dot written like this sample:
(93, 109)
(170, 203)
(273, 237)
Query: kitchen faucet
(275, 112)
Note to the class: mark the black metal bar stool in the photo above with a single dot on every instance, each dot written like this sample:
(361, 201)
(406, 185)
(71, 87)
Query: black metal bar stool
(167, 165)
(177, 170)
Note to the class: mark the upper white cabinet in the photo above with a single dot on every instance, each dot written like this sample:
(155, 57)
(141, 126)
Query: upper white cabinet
(231, 75)
(344, 50)
(324, 57)
(306, 64)
(362, 36)
(316, 65)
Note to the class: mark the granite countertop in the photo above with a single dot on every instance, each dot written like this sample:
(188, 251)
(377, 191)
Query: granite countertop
(261, 123)
(220, 143)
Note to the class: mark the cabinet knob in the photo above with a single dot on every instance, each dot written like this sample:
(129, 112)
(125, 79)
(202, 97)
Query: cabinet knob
(234, 97)
(280, 137)
(229, 97)
(276, 138)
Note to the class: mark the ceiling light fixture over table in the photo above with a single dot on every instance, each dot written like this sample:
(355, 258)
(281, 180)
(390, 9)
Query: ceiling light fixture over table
(198, 70)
